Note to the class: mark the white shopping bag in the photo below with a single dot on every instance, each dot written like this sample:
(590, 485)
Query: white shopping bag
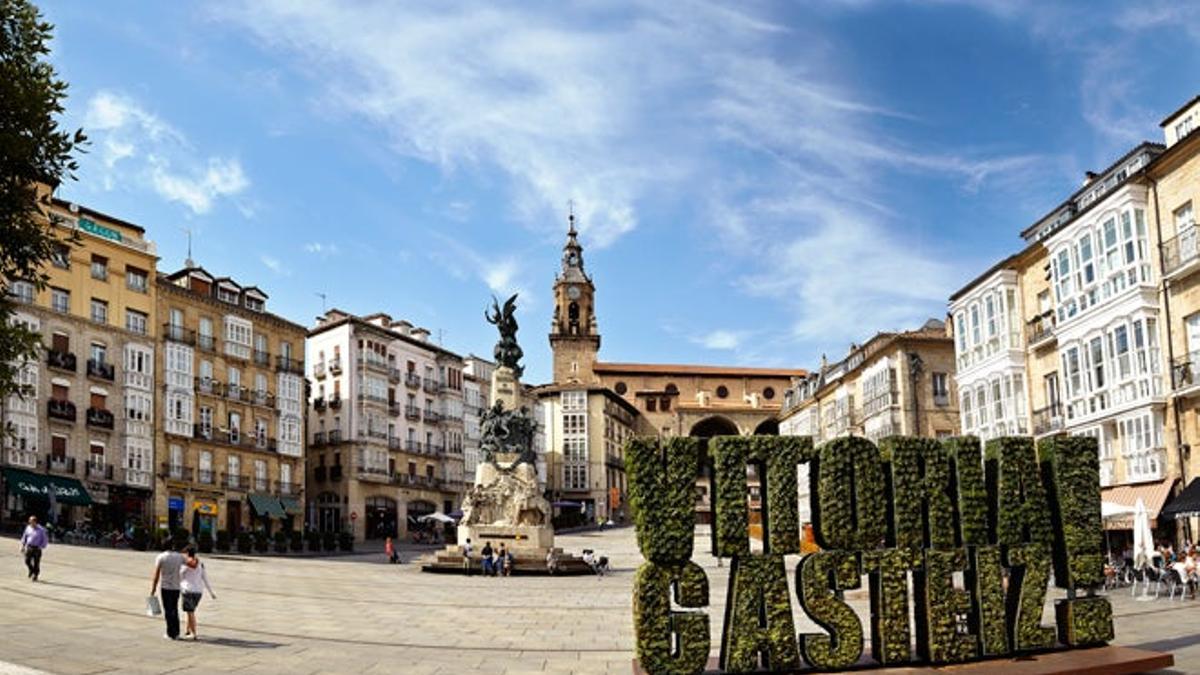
(153, 607)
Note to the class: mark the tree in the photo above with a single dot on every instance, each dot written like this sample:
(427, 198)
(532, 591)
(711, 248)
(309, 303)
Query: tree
(36, 154)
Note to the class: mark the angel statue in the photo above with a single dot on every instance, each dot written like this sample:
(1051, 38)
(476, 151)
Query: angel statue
(507, 352)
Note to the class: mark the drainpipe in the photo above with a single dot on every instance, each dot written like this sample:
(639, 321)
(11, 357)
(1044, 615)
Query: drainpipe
(1166, 301)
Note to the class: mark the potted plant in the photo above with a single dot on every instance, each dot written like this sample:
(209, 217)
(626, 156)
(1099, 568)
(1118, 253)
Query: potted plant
(282, 539)
(297, 541)
(223, 541)
(261, 543)
(346, 541)
(329, 541)
(314, 540)
(243, 542)
(204, 541)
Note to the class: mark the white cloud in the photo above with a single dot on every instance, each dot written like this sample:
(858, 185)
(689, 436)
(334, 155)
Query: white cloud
(138, 147)
(274, 265)
(502, 274)
(614, 109)
(322, 249)
(720, 339)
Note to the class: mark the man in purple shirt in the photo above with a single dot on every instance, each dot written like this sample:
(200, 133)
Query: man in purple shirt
(33, 541)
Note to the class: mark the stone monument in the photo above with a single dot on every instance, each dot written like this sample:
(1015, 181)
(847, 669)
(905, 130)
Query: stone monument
(506, 504)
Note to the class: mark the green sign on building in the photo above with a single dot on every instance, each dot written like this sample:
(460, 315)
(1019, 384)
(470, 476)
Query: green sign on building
(99, 230)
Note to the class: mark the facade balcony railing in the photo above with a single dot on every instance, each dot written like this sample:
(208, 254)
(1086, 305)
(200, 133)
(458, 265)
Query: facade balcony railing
(394, 443)
(206, 343)
(206, 476)
(1185, 371)
(286, 488)
(235, 481)
(319, 403)
(335, 365)
(335, 436)
(58, 409)
(261, 484)
(394, 408)
(318, 439)
(319, 473)
(1181, 253)
(394, 374)
(261, 358)
(21, 457)
(262, 397)
(98, 470)
(100, 418)
(335, 402)
(373, 433)
(101, 370)
(431, 385)
(285, 364)
(61, 360)
(1040, 330)
(614, 461)
(413, 446)
(176, 472)
(373, 361)
(61, 465)
(176, 333)
(412, 412)
(372, 398)
(335, 473)
(412, 380)
(1048, 420)
(319, 370)
(431, 416)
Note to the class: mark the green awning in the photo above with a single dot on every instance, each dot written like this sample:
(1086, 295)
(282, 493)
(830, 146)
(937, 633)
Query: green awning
(66, 490)
(291, 506)
(266, 505)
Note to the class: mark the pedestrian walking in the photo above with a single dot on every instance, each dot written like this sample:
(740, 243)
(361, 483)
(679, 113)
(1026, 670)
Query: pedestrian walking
(502, 562)
(466, 549)
(193, 581)
(390, 549)
(33, 541)
(166, 570)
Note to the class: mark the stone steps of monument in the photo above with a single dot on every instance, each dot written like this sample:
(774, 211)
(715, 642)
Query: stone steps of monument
(452, 563)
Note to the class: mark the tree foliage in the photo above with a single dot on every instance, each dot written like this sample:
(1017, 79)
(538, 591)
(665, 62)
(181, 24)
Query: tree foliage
(36, 154)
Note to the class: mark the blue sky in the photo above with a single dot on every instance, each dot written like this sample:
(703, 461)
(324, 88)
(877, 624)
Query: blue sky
(756, 183)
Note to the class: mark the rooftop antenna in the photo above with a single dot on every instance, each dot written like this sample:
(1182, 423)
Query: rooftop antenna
(571, 213)
(322, 297)
(188, 262)
(441, 333)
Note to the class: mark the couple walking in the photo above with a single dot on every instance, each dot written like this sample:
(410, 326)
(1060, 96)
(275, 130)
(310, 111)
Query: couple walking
(177, 571)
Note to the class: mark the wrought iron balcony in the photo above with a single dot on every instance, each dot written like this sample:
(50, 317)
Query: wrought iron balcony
(179, 334)
(206, 476)
(394, 408)
(319, 370)
(286, 488)
(432, 416)
(209, 386)
(99, 470)
(431, 385)
(101, 370)
(62, 465)
(412, 412)
(335, 365)
(319, 403)
(99, 417)
(176, 472)
(1040, 330)
(1181, 253)
(1048, 420)
(235, 481)
(284, 364)
(60, 410)
(393, 374)
(206, 343)
(393, 443)
(335, 436)
(412, 380)
(262, 358)
(60, 360)
(335, 402)
(318, 439)
(413, 446)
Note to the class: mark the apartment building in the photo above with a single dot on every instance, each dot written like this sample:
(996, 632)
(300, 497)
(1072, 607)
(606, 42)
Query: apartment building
(387, 427)
(231, 382)
(86, 430)
(477, 386)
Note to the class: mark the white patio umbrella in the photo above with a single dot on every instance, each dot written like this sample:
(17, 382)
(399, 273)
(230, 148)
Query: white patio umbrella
(438, 516)
(1110, 511)
(1143, 537)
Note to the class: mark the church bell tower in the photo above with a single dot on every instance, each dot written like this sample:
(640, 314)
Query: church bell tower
(574, 338)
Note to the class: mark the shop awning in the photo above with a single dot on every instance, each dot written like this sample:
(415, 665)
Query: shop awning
(266, 505)
(66, 490)
(1154, 495)
(291, 506)
(1186, 503)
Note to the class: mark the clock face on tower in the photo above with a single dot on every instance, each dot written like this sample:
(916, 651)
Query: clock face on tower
(573, 292)
(572, 259)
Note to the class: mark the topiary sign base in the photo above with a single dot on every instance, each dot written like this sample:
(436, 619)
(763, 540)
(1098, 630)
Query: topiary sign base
(1110, 660)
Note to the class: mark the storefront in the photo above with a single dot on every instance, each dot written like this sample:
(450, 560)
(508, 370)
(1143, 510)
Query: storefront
(265, 508)
(204, 517)
(293, 511)
(53, 499)
(1153, 495)
(381, 517)
(329, 512)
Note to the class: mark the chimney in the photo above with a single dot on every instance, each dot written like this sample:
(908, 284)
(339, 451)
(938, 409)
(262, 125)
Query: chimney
(421, 334)
(1088, 177)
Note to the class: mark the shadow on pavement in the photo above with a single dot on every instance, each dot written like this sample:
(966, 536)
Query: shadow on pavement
(243, 644)
(62, 585)
(1171, 644)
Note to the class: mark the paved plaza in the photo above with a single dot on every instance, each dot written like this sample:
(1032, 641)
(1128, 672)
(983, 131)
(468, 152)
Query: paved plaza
(357, 614)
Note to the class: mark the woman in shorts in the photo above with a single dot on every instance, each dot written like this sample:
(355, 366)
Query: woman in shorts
(193, 581)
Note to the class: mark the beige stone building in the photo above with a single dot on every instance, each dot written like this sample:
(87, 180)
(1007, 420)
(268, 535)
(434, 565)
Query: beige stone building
(386, 426)
(231, 391)
(592, 407)
(86, 430)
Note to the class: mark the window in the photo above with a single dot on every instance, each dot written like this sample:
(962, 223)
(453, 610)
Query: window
(227, 294)
(664, 404)
(722, 391)
(99, 311)
(671, 388)
(621, 388)
(206, 418)
(238, 336)
(61, 257)
(205, 470)
(1096, 359)
(941, 387)
(99, 267)
(135, 321)
(235, 427)
(651, 404)
(137, 280)
(960, 331)
(60, 300)
(254, 304)
(989, 310)
(1087, 269)
(21, 291)
(769, 393)
(975, 337)
(99, 353)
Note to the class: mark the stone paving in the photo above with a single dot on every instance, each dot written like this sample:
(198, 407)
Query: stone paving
(357, 614)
